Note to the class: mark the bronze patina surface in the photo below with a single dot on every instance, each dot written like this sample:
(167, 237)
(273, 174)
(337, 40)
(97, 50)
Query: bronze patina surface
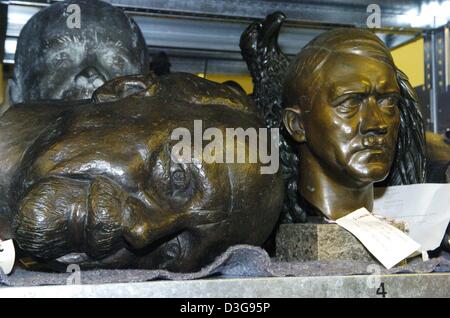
(350, 117)
(341, 106)
(57, 60)
(93, 182)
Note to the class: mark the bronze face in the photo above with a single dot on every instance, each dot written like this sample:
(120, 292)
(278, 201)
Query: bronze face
(94, 183)
(351, 125)
(54, 61)
(346, 123)
(339, 181)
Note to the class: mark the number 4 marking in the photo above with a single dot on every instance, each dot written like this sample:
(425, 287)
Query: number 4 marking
(381, 290)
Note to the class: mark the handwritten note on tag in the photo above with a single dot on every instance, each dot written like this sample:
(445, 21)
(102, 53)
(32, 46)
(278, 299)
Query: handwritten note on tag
(7, 256)
(387, 243)
(424, 207)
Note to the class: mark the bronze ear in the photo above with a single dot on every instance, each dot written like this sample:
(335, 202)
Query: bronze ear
(292, 120)
(125, 86)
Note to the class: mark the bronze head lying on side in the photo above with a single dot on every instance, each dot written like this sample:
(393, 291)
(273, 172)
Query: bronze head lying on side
(94, 183)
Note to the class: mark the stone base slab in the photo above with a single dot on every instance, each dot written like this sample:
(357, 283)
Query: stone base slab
(318, 242)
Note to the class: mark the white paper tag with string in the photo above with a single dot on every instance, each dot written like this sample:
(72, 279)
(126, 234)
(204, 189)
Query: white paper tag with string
(387, 243)
(7, 256)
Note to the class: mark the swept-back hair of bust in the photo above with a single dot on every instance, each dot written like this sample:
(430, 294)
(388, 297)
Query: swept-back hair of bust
(302, 78)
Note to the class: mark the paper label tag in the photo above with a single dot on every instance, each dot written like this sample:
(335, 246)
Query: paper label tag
(387, 243)
(7, 256)
(424, 207)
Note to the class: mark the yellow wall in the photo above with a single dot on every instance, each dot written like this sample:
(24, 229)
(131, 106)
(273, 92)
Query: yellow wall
(410, 59)
(244, 80)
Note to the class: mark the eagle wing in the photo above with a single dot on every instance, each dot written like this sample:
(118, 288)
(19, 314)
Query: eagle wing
(268, 66)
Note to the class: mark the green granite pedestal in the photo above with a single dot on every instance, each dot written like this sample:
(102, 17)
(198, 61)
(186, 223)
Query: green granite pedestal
(318, 242)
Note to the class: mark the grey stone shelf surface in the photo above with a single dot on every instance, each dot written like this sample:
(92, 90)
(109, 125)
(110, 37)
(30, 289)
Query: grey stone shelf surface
(398, 285)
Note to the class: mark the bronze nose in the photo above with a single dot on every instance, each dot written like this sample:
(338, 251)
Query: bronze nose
(372, 122)
(92, 76)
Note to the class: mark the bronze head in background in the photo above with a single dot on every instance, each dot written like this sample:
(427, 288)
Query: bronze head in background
(350, 117)
(59, 60)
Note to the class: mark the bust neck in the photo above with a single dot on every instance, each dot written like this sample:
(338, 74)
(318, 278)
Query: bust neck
(332, 198)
